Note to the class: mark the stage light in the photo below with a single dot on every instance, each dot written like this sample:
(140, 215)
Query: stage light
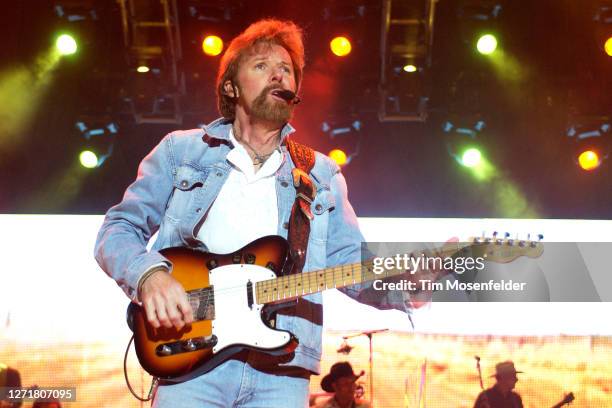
(340, 46)
(88, 159)
(99, 138)
(345, 134)
(66, 44)
(486, 44)
(608, 46)
(338, 156)
(589, 160)
(471, 157)
(143, 69)
(410, 68)
(212, 45)
(591, 137)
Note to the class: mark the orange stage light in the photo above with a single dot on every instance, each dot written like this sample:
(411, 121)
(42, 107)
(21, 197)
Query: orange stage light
(589, 160)
(212, 45)
(338, 156)
(340, 46)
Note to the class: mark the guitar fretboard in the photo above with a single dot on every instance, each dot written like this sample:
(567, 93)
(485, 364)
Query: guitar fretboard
(306, 283)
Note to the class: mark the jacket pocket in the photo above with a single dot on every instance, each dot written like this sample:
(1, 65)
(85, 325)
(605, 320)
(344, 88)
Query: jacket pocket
(188, 184)
(321, 206)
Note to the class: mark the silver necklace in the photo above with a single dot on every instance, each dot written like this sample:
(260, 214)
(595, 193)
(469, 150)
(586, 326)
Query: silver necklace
(259, 159)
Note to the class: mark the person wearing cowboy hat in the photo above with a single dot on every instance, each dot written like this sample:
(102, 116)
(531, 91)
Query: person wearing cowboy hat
(341, 381)
(501, 394)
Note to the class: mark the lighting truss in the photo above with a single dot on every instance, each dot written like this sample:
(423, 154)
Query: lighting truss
(407, 30)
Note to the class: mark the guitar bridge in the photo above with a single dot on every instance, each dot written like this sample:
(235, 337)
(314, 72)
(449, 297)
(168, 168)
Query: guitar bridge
(186, 346)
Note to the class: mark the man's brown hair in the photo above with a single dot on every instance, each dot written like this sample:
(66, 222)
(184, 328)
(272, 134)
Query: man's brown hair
(269, 31)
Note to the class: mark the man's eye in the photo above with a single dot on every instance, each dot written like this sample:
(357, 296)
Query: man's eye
(288, 70)
(260, 66)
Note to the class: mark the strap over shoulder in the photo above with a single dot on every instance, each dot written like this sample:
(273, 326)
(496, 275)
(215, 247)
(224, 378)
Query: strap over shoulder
(302, 155)
(299, 223)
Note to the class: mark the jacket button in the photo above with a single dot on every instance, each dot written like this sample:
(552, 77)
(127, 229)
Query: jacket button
(285, 225)
(198, 210)
(184, 183)
(318, 207)
(219, 174)
(284, 183)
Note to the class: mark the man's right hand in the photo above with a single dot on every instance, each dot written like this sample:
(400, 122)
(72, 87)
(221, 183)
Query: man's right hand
(165, 301)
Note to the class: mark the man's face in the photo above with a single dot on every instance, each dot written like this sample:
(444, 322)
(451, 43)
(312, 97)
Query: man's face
(266, 68)
(344, 387)
(507, 381)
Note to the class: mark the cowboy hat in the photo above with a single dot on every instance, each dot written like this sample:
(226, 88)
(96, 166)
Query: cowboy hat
(339, 370)
(505, 368)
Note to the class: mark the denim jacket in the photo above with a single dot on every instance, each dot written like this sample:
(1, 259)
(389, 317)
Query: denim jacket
(176, 185)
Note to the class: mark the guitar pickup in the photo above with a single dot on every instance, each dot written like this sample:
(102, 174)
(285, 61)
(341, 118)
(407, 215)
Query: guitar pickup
(186, 346)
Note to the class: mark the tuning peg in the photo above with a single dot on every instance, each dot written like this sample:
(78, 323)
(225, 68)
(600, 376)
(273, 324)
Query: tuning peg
(506, 235)
(498, 241)
(540, 237)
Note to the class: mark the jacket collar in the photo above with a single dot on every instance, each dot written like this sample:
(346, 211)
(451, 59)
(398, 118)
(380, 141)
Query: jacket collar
(220, 128)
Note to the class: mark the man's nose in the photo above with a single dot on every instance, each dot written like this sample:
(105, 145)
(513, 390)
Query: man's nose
(277, 74)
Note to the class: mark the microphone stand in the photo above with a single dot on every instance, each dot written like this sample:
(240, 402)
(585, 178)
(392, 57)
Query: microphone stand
(369, 334)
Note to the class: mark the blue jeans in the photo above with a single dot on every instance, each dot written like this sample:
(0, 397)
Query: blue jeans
(235, 384)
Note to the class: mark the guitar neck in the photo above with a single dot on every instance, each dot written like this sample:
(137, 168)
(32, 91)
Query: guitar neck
(568, 398)
(300, 284)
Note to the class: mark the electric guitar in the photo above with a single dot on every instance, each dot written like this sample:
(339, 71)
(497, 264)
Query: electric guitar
(229, 295)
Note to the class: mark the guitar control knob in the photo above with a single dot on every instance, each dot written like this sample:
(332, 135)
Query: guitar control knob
(189, 345)
(164, 350)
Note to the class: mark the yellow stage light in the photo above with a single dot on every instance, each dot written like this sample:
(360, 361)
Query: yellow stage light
(338, 156)
(340, 46)
(212, 45)
(589, 160)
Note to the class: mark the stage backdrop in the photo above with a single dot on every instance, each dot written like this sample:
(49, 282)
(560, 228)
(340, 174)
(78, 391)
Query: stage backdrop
(62, 321)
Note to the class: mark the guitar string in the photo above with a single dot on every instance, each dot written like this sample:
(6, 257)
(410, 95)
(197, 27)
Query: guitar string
(207, 295)
(333, 271)
(303, 276)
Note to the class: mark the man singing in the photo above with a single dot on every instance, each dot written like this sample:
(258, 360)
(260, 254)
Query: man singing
(218, 188)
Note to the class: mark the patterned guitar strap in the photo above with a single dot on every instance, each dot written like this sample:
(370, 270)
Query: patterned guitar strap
(299, 223)
(303, 158)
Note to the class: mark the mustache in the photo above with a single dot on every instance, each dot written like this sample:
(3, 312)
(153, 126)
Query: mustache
(279, 91)
(271, 88)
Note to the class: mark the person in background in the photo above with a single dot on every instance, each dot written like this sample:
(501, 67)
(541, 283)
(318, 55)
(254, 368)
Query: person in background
(341, 382)
(501, 394)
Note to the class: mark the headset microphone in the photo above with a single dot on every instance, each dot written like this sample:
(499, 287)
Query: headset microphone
(288, 96)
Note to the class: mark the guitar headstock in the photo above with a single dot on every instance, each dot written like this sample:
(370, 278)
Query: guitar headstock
(506, 249)
(568, 398)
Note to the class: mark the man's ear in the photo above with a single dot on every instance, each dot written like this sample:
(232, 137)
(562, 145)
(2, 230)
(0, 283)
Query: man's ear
(230, 89)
